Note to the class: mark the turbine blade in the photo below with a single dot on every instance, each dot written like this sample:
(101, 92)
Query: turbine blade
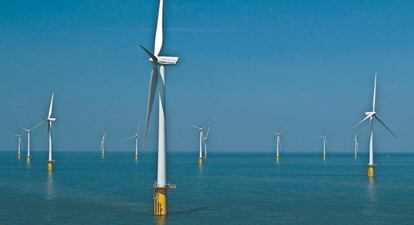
(284, 129)
(128, 138)
(383, 124)
(51, 106)
(208, 130)
(367, 117)
(15, 134)
(37, 125)
(194, 126)
(375, 93)
(273, 132)
(153, 57)
(27, 130)
(159, 31)
(151, 96)
(208, 122)
(329, 133)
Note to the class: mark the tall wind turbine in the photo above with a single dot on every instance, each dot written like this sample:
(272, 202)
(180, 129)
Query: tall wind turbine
(373, 116)
(278, 144)
(325, 141)
(161, 185)
(50, 120)
(19, 144)
(356, 146)
(103, 146)
(136, 137)
(201, 138)
(205, 141)
(29, 131)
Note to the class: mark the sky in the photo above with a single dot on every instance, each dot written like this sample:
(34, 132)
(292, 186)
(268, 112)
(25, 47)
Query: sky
(254, 65)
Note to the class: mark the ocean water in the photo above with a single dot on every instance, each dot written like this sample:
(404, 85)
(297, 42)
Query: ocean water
(230, 188)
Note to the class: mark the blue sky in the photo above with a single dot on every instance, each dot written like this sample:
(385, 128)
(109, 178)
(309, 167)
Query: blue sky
(256, 65)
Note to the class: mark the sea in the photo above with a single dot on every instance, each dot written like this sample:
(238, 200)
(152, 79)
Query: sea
(230, 188)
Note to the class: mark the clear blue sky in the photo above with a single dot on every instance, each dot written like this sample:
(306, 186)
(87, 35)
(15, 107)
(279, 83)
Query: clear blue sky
(256, 65)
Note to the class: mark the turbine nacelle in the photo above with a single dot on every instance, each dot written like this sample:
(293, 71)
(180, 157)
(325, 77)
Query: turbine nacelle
(51, 119)
(165, 60)
(370, 114)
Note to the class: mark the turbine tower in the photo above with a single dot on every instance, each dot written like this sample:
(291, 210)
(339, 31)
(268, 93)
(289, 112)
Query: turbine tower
(278, 144)
(356, 146)
(325, 141)
(103, 146)
(136, 136)
(19, 144)
(29, 131)
(50, 120)
(201, 138)
(373, 116)
(159, 79)
(205, 141)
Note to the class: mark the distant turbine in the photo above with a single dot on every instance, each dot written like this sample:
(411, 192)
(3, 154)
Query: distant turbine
(29, 131)
(278, 144)
(356, 146)
(325, 141)
(205, 141)
(50, 120)
(201, 137)
(161, 185)
(136, 136)
(373, 116)
(103, 146)
(19, 144)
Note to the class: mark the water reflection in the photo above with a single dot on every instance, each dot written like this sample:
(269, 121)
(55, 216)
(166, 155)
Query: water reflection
(160, 220)
(50, 187)
(371, 190)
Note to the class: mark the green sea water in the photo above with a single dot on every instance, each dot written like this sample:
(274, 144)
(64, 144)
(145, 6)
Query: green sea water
(230, 188)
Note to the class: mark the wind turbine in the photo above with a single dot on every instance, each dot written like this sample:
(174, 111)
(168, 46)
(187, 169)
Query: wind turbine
(205, 141)
(50, 120)
(325, 141)
(278, 144)
(19, 144)
(161, 185)
(103, 145)
(136, 136)
(29, 131)
(356, 146)
(201, 138)
(373, 116)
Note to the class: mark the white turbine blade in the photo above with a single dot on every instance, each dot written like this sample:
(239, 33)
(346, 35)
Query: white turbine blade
(208, 130)
(27, 130)
(367, 117)
(153, 57)
(194, 126)
(375, 93)
(383, 124)
(37, 125)
(139, 127)
(208, 122)
(128, 138)
(273, 132)
(284, 129)
(51, 106)
(151, 95)
(159, 31)
(15, 134)
(329, 133)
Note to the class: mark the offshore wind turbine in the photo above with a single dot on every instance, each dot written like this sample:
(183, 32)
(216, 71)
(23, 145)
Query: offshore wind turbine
(201, 138)
(50, 120)
(325, 141)
(356, 146)
(158, 79)
(373, 115)
(205, 141)
(102, 148)
(136, 137)
(19, 144)
(29, 131)
(278, 144)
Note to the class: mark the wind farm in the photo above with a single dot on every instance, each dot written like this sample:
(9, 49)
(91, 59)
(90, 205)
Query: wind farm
(272, 113)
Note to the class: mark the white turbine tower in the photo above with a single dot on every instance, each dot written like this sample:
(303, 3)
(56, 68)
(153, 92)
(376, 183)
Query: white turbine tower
(159, 79)
(356, 146)
(102, 148)
(50, 120)
(136, 137)
(325, 141)
(19, 144)
(201, 138)
(205, 141)
(29, 131)
(278, 143)
(373, 116)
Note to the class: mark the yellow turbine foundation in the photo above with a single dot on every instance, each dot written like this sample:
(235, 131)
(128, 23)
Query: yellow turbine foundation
(28, 159)
(200, 161)
(160, 201)
(277, 158)
(370, 170)
(136, 157)
(324, 157)
(19, 156)
(49, 166)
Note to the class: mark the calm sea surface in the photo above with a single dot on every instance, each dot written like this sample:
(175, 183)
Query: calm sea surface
(228, 189)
